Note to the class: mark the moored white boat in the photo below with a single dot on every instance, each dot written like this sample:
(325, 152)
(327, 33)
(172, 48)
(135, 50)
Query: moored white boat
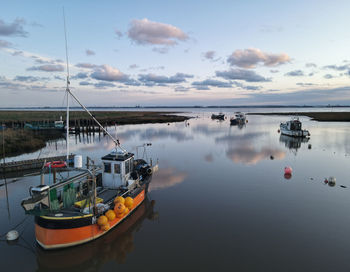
(219, 116)
(239, 118)
(294, 128)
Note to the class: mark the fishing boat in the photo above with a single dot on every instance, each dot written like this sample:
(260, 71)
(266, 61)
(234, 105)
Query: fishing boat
(219, 116)
(294, 128)
(91, 201)
(56, 125)
(238, 119)
(87, 205)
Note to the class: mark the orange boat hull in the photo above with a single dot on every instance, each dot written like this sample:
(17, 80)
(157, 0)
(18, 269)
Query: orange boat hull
(51, 238)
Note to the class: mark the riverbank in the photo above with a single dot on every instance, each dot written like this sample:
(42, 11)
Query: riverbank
(18, 118)
(19, 141)
(317, 116)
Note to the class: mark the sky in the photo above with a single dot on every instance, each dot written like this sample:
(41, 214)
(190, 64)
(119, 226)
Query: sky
(175, 53)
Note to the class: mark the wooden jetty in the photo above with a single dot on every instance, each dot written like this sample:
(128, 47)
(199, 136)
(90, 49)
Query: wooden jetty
(30, 164)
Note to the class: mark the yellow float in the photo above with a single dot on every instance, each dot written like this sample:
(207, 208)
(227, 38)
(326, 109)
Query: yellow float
(126, 211)
(129, 202)
(110, 214)
(105, 227)
(119, 199)
(102, 220)
(119, 209)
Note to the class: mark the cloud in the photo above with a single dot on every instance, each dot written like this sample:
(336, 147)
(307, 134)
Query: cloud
(161, 50)
(108, 73)
(211, 82)
(133, 66)
(274, 71)
(118, 33)
(310, 64)
(240, 74)
(5, 44)
(249, 58)
(337, 67)
(316, 96)
(86, 65)
(89, 52)
(80, 76)
(181, 89)
(17, 53)
(246, 87)
(47, 68)
(210, 55)
(295, 73)
(85, 83)
(328, 76)
(132, 82)
(147, 32)
(13, 29)
(103, 85)
(157, 79)
(26, 78)
(305, 84)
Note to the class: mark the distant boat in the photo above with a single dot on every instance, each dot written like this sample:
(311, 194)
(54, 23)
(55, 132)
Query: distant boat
(238, 119)
(56, 125)
(219, 116)
(293, 128)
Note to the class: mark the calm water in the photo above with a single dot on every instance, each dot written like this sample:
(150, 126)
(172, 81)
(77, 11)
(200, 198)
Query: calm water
(219, 202)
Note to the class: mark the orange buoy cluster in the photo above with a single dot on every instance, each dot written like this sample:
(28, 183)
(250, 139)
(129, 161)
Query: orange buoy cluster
(122, 206)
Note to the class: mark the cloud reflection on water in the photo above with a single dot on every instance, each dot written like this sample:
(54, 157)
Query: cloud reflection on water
(249, 155)
(167, 177)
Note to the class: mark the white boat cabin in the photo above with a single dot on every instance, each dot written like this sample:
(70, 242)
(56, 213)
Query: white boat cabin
(117, 169)
(293, 125)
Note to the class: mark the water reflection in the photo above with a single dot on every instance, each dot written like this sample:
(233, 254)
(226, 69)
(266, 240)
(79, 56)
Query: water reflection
(166, 177)
(114, 246)
(293, 143)
(239, 137)
(249, 155)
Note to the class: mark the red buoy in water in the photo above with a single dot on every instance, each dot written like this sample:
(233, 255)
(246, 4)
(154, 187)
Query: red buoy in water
(288, 170)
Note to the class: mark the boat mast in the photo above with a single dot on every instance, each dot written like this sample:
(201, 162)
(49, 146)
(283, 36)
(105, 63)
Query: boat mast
(67, 88)
(116, 141)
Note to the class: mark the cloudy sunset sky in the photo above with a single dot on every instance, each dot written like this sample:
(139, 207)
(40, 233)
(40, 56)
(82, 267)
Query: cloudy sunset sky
(125, 53)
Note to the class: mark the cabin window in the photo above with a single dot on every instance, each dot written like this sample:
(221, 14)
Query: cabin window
(131, 164)
(127, 167)
(107, 167)
(117, 168)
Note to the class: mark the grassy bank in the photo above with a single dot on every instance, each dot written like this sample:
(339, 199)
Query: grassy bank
(17, 142)
(105, 117)
(317, 116)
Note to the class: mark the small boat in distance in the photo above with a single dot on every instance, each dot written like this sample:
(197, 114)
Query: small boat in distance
(56, 125)
(239, 118)
(294, 128)
(219, 116)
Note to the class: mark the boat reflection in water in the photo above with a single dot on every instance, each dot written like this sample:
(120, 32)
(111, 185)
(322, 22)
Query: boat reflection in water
(293, 143)
(114, 246)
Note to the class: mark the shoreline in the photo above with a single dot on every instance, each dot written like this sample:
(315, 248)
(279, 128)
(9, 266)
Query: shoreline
(19, 140)
(316, 116)
(13, 118)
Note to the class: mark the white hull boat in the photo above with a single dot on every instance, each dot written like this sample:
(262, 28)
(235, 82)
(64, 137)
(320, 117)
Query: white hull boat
(293, 128)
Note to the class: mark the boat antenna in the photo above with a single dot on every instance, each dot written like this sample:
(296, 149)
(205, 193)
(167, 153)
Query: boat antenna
(116, 141)
(67, 87)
